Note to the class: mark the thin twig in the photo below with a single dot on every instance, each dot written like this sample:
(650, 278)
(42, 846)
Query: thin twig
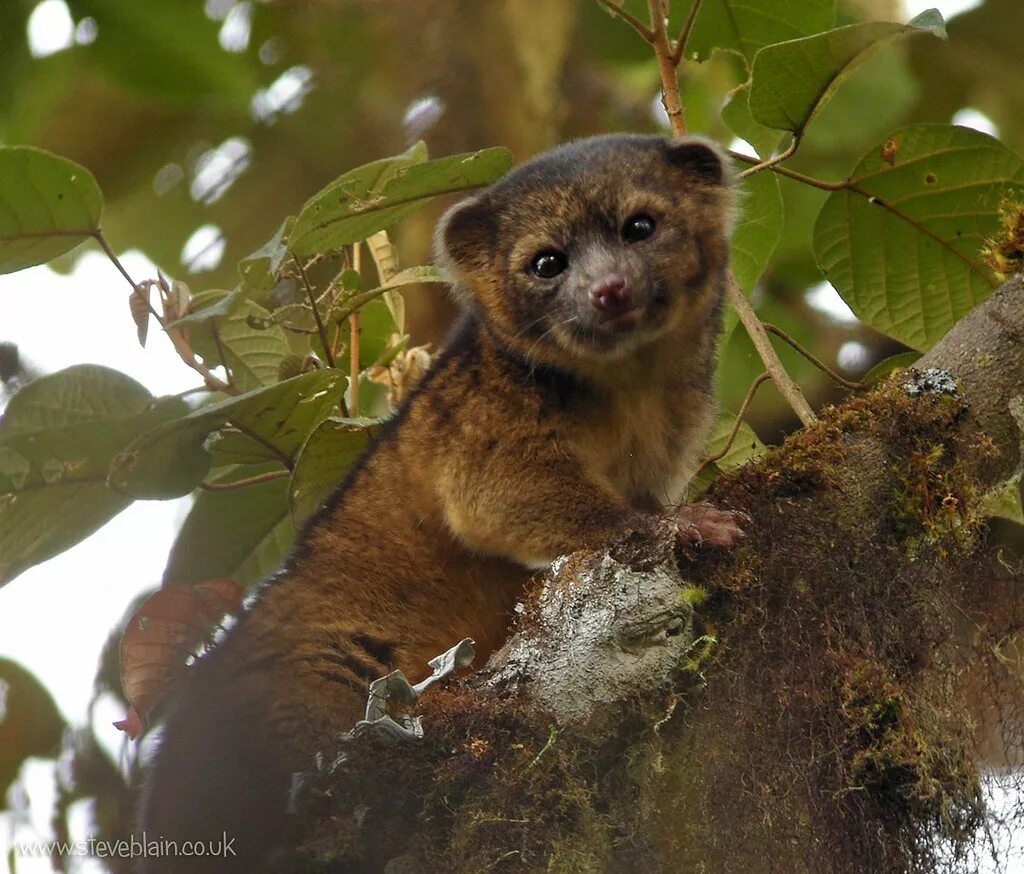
(263, 441)
(846, 383)
(793, 174)
(780, 376)
(101, 238)
(316, 312)
(670, 98)
(629, 18)
(684, 36)
(670, 94)
(718, 456)
(772, 162)
(208, 486)
(353, 324)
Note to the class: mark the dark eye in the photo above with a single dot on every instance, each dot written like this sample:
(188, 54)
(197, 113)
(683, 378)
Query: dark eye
(637, 227)
(547, 265)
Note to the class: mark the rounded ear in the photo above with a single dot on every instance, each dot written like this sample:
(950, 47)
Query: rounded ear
(465, 235)
(701, 159)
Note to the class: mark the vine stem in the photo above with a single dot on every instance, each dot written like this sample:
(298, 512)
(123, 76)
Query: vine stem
(770, 163)
(718, 456)
(670, 96)
(772, 363)
(321, 330)
(817, 362)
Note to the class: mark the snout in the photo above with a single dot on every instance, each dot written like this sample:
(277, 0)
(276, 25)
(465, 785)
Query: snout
(614, 303)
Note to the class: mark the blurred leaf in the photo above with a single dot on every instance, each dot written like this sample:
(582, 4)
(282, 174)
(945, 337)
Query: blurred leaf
(903, 249)
(843, 130)
(169, 626)
(371, 198)
(243, 533)
(744, 26)
(790, 82)
(170, 461)
(57, 439)
(15, 60)
(166, 51)
(981, 68)
(30, 723)
(253, 346)
(330, 452)
(48, 204)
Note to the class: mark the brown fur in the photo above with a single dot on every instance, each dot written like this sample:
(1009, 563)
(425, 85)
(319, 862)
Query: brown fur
(525, 441)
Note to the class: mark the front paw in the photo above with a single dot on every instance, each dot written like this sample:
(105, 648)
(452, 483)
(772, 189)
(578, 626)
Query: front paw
(704, 524)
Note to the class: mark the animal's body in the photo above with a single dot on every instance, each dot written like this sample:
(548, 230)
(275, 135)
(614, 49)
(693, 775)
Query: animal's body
(567, 412)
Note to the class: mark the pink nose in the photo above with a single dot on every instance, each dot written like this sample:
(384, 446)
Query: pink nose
(610, 294)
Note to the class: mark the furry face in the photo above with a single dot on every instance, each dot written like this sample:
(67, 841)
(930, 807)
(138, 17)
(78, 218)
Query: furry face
(594, 249)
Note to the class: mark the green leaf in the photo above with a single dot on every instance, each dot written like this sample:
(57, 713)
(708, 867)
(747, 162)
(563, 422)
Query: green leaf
(57, 439)
(736, 114)
(170, 461)
(243, 534)
(745, 446)
(48, 204)
(371, 198)
(259, 270)
(757, 233)
(744, 26)
(252, 346)
(758, 229)
(889, 365)
(410, 276)
(791, 81)
(902, 244)
(329, 454)
(228, 448)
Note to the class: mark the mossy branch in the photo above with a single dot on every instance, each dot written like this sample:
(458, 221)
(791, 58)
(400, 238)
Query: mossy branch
(809, 705)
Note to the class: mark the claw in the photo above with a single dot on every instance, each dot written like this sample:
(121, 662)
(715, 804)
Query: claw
(704, 524)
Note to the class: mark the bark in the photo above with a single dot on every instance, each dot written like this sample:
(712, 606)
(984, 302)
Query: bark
(802, 704)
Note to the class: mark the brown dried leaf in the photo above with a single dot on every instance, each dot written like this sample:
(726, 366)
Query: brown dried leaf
(138, 303)
(163, 633)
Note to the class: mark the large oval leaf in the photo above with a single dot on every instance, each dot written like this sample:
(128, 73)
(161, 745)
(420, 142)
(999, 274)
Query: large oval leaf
(791, 81)
(170, 461)
(57, 439)
(243, 534)
(744, 26)
(902, 243)
(329, 454)
(371, 198)
(47, 205)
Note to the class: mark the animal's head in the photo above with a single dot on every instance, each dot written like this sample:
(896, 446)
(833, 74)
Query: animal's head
(597, 247)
